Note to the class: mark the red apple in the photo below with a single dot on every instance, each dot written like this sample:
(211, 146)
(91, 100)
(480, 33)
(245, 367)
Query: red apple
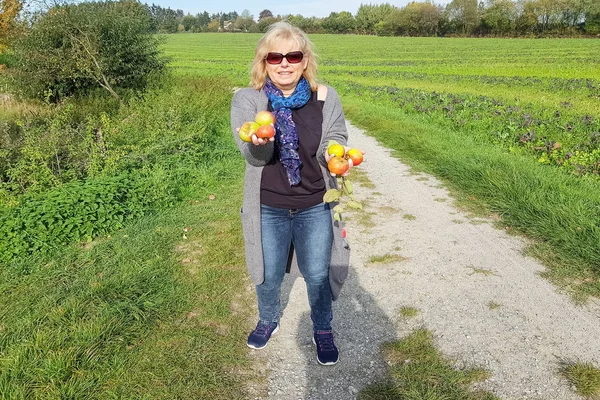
(355, 155)
(265, 131)
(338, 165)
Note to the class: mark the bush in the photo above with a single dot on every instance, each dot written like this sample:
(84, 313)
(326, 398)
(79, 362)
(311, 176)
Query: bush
(73, 48)
(149, 154)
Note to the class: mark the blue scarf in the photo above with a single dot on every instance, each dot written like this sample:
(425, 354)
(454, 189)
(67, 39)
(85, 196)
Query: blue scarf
(286, 136)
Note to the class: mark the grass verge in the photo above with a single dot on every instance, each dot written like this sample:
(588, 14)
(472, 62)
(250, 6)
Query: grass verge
(557, 210)
(144, 314)
(585, 377)
(419, 371)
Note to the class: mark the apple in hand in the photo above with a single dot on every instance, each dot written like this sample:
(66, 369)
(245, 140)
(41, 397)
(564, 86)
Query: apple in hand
(247, 130)
(264, 118)
(338, 165)
(355, 155)
(336, 150)
(265, 132)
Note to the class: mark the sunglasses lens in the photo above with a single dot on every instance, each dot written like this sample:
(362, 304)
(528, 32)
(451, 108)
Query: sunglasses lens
(294, 57)
(274, 58)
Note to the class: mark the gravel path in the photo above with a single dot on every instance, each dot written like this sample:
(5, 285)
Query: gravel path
(474, 289)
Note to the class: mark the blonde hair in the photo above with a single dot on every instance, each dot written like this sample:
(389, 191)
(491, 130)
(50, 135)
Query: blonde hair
(283, 31)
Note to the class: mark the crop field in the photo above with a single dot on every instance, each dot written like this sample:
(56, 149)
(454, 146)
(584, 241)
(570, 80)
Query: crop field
(541, 97)
(512, 125)
(123, 276)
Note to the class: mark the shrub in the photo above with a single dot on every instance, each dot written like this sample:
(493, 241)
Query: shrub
(73, 48)
(80, 211)
(149, 154)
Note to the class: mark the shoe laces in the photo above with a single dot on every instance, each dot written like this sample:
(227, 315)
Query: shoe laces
(325, 341)
(263, 329)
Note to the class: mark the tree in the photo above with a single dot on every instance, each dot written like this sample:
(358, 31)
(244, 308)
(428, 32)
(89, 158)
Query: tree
(527, 21)
(499, 17)
(391, 24)
(369, 15)
(419, 19)
(245, 24)
(308, 25)
(188, 22)
(9, 10)
(264, 23)
(202, 21)
(71, 49)
(213, 25)
(592, 19)
(463, 14)
(342, 22)
(163, 20)
(265, 14)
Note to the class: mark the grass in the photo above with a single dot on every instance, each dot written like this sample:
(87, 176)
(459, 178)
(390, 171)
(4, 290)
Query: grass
(357, 175)
(149, 314)
(482, 271)
(409, 312)
(585, 377)
(417, 370)
(144, 314)
(156, 310)
(386, 259)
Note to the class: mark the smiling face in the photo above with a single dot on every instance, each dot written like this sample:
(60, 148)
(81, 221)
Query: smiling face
(285, 76)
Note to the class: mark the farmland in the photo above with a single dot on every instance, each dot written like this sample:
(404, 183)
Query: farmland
(539, 90)
(512, 125)
(152, 294)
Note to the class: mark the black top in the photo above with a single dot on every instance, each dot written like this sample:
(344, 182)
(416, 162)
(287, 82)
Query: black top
(275, 189)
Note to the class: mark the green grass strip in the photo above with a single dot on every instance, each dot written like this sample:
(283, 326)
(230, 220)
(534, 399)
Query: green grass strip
(418, 371)
(152, 312)
(585, 377)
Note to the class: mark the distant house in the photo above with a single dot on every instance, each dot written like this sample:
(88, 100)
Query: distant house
(229, 26)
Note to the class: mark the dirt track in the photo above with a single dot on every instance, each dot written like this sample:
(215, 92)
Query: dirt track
(474, 289)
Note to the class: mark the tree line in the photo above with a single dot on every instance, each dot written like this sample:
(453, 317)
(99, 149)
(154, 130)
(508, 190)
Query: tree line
(458, 18)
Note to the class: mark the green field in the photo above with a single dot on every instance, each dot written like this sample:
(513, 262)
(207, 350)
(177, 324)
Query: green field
(510, 86)
(512, 125)
(130, 280)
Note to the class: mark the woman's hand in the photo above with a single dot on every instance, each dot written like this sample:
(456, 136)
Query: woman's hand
(261, 142)
(258, 141)
(350, 164)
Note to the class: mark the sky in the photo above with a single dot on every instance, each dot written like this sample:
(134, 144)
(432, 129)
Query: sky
(310, 8)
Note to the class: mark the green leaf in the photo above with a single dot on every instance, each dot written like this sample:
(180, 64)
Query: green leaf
(331, 195)
(337, 216)
(355, 204)
(339, 208)
(348, 187)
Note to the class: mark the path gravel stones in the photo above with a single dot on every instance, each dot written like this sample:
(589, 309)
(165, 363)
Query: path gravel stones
(475, 290)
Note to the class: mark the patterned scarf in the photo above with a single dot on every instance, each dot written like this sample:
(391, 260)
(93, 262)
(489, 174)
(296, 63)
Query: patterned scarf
(286, 137)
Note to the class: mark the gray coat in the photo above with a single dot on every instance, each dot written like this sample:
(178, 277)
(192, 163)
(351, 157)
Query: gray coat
(245, 104)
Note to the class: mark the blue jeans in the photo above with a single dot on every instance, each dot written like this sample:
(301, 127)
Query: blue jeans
(310, 232)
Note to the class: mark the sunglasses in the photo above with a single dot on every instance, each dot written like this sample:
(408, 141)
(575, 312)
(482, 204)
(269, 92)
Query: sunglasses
(293, 57)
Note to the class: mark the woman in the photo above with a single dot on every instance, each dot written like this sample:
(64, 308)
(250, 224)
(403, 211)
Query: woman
(284, 218)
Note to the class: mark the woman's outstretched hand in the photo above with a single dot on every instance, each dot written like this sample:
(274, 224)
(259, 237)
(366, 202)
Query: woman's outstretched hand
(261, 142)
(256, 140)
(350, 163)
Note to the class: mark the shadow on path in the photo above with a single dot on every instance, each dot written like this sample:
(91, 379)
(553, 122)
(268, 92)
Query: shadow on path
(360, 327)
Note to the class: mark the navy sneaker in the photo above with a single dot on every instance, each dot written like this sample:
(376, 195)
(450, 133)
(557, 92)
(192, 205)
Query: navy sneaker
(259, 337)
(327, 353)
